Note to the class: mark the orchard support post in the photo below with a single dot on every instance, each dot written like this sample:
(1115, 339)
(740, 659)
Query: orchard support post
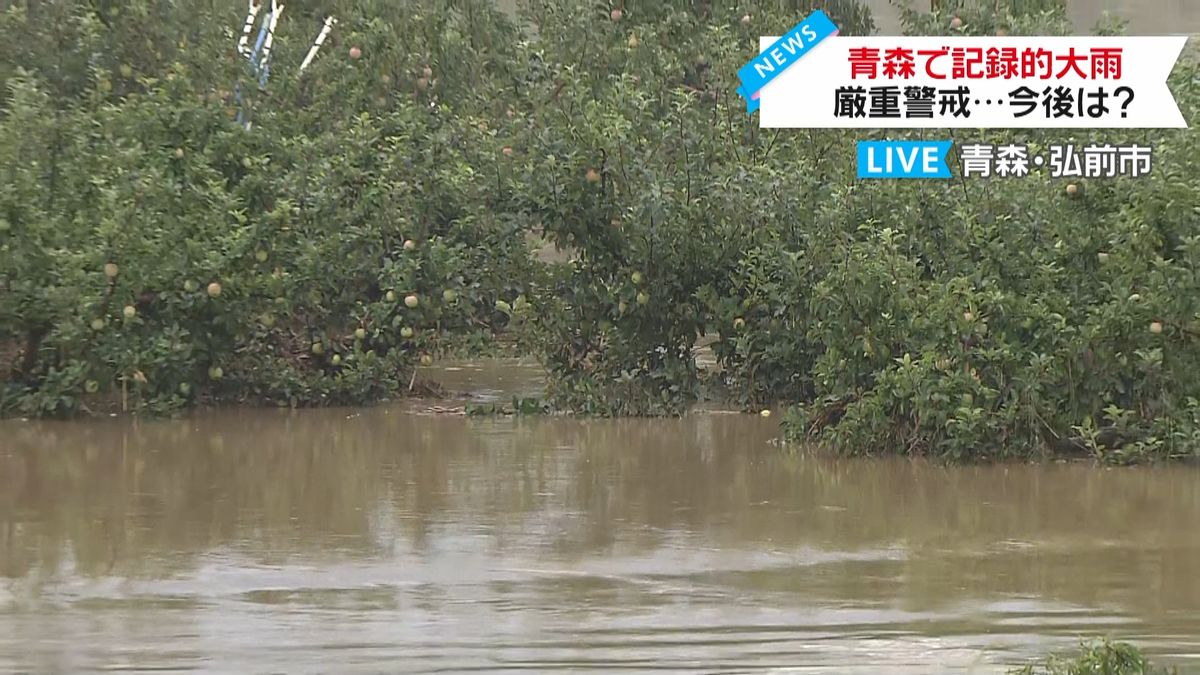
(312, 53)
(260, 56)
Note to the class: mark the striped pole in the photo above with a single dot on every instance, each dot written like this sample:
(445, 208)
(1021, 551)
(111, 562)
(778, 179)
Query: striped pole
(264, 66)
(251, 15)
(260, 56)
(312, 53)
(262, 37)
(252, 57)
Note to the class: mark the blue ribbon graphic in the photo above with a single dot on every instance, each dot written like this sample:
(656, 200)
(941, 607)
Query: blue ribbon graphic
(785, 51)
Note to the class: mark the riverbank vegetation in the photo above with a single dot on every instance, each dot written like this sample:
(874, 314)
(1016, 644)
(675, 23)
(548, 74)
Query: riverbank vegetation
(380, 209)
(1097, 658)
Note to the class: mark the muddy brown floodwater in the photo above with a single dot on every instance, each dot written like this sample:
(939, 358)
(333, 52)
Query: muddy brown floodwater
(389, 540)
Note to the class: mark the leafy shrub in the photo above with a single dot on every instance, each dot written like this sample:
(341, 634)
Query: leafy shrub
(1100, 657)
(962, 319)
(153, 247)
(628, 154)
(1004, 317)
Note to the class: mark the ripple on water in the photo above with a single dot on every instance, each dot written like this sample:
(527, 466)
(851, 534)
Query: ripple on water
(371, 539)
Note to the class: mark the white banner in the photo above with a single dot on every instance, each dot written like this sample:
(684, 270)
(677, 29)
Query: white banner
(880, 82)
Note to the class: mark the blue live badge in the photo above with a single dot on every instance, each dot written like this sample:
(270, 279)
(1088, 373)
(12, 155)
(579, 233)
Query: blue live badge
(903, 159)
(785, 51)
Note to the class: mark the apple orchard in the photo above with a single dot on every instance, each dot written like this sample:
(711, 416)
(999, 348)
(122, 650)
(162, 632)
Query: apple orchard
(381, 208)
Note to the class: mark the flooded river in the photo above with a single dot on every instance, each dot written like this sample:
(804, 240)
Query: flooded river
(392, 540)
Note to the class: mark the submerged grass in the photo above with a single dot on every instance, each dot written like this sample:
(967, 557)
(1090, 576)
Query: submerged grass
(1100, 657)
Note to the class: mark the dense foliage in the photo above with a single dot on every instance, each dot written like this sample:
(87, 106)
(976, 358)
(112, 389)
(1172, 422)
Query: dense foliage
(962, 319)
(1100, 657)
(152, 246)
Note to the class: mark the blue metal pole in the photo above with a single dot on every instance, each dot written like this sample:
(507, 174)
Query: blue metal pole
(253, 58)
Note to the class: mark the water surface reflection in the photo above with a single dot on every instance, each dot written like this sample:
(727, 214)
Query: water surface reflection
(386, 539)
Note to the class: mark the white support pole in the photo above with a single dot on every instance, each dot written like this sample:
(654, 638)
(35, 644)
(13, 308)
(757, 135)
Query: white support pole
(276, 10)
(312, 53)
(251, 17)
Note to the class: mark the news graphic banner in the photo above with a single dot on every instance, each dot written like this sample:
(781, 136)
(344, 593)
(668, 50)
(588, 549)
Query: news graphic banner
(780, 53)
(814, 78)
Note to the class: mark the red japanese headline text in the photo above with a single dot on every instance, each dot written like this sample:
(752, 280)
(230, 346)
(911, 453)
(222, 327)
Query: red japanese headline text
(978, 63)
